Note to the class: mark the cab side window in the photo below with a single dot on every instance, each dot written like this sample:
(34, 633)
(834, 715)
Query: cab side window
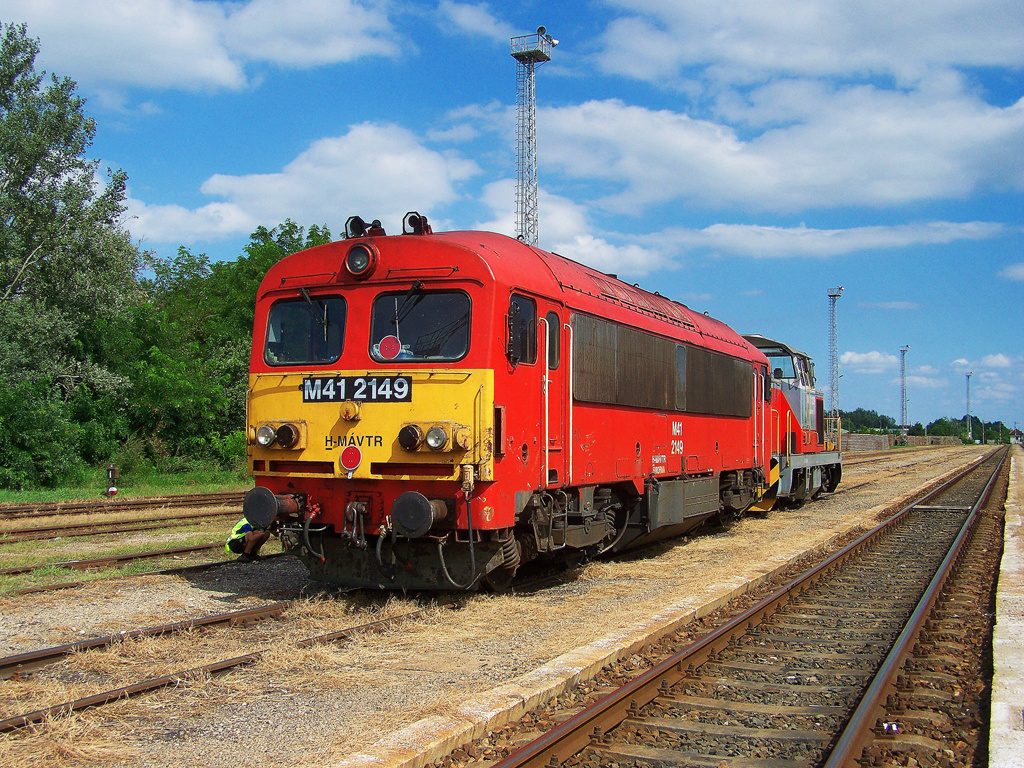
(522, 330)
(554, 326)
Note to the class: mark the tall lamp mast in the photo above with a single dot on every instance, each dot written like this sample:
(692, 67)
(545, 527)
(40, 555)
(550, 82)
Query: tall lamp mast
(529, 51)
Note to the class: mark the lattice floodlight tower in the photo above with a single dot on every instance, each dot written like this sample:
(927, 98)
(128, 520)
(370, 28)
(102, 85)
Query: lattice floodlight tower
(529, 51)
(833, 351)
(970, 425)
(903, 389)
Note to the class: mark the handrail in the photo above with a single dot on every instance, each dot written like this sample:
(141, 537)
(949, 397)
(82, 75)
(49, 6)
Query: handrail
(570, 364)
(546, 480)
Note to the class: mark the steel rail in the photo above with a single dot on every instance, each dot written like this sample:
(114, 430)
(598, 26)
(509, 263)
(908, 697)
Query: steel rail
(160, 572)
(859, 732)
(46, 509)
(41, 533)
(84, 565)
(22, 663)
(576, 733)
(848, 488)
(21, 721)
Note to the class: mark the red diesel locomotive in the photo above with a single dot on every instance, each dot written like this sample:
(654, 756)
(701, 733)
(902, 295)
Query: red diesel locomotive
(430, 411)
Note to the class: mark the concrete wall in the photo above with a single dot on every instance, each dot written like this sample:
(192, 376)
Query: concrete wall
(856, 443)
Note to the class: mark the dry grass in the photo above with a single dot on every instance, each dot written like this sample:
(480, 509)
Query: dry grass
(64, 742)
(109, 517)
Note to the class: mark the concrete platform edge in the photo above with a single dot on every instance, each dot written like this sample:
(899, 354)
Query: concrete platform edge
(433, 737)
(1006, 723)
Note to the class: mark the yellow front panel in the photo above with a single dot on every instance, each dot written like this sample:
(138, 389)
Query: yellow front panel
(458, 401)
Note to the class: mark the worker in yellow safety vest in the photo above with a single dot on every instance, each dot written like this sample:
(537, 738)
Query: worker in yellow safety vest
(246, 541)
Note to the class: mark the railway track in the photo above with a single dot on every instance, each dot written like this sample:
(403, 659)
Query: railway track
(792, 682)
(159, 572)
(14, 511)
(67, 530)
(22, 664)
(109, 560)
(22, 721)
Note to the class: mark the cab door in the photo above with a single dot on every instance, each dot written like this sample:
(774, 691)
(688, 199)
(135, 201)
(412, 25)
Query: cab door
(555, 393)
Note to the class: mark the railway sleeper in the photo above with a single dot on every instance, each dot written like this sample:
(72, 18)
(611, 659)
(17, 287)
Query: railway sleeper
(685, 728)
(624, 753)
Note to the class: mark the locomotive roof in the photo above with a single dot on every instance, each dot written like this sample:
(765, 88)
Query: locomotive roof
(515, 264)
(763, 342)
(581, 284)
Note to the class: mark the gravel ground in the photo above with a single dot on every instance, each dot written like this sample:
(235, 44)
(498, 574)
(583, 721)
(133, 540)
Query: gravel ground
(319, 706)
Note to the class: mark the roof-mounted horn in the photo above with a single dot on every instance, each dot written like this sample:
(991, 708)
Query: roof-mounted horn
(415, 224)
(356, 227)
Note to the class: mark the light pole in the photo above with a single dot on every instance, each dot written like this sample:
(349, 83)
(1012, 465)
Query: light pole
(529, 51)
(903, 389)
(970, 427)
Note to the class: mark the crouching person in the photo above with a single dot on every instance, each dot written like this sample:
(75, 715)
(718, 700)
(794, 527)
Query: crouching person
(246, 541)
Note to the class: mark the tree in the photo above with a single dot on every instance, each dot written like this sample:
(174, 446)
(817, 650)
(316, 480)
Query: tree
(190, 358)
(862, 420)
(66, 263)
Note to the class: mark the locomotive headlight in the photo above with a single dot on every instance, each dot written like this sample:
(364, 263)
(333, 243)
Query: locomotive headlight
(360, 260)
(437, 438)
(287, 435)
(266, 435)
(410, 437)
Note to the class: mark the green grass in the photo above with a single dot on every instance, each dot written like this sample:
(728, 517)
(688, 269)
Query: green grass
(55, 574)
(150, 484)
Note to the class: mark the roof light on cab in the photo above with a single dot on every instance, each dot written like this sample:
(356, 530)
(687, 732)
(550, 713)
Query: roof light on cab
(361, 260)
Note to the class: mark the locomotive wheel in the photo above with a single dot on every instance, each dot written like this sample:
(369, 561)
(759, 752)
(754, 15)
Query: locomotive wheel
(500, 579)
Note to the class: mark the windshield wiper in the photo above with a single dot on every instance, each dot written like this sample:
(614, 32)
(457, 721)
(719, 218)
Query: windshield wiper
(313, 310)
(400, 310)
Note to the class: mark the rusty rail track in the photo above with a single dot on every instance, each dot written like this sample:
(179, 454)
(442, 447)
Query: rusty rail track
(796, 636)
(23, 664)
(30, 718)
(45, 509)
(100, 562)
(67, 530)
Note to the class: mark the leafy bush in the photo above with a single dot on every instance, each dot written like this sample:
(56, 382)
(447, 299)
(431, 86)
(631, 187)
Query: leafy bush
(39, 441)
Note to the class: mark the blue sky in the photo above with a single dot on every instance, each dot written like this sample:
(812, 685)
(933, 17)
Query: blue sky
(742, 157)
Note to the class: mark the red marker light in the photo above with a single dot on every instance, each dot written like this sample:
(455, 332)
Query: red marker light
(389, 347)
(351, 458)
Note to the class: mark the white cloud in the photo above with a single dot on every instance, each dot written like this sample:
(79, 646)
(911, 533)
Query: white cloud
(474, 19)
(304, 33)
(925, 382)
(565, 230)
(175, 223)
(996, 361)
(744, 39)
(862, 146)
(1013, 272)
(559, 219)
(395, 174)
(777, 242)
(868, 362)
(159, 43)
(602, 255)
(189, 44)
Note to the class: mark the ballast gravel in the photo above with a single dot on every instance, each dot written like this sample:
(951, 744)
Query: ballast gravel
(329, 704)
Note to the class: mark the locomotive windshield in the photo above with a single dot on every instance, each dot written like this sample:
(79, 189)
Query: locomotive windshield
(781, 363)
(307, 330)
(420, 325)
